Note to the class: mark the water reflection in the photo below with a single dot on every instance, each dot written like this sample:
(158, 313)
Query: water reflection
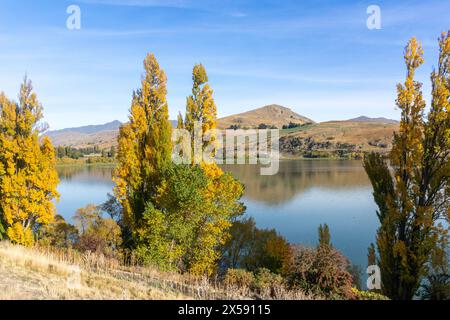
(301, 196)
(295, 177)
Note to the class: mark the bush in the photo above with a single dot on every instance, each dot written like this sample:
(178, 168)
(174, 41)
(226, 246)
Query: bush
(252, 248)
(59, 234)
(368, 295)
(238, 278)
(267, 284)
(321, 270)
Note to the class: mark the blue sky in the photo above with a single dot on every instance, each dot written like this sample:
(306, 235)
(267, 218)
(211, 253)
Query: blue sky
(316, 57)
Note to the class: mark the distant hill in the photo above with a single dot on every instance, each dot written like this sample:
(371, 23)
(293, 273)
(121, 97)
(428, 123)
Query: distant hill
(368, 119)
(113, 125)
(334, 138)
(102, 135)
(271, 115)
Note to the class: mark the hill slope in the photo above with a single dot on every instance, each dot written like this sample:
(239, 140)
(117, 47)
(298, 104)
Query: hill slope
(339, 139)
(271, 115)
(374, 120)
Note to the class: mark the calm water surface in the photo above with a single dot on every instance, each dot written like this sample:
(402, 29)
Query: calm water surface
(301, 196)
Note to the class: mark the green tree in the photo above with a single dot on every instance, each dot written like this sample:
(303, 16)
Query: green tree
(59, 233)
(97, 234)
(252, 248)
(416, 194)
(324, 235)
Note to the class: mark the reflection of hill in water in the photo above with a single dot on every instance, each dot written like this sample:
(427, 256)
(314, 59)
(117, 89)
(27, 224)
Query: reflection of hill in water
(298, 176)
(86, 174)
(294, 177)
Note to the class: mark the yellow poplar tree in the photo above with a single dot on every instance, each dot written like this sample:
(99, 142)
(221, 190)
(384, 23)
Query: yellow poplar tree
(414, 195)
(144, 144)
(222, 192)
(28, 177)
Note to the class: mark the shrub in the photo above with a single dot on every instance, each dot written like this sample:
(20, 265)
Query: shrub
(367, 295)
(321, 270)
(59, 233)
(252, 248)
(238, 278)
(267, 284)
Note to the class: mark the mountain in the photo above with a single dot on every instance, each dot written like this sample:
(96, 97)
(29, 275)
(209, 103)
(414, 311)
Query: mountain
(102, 135)
(368, 119)
(270, 115)
(332, 138)
(113, 125)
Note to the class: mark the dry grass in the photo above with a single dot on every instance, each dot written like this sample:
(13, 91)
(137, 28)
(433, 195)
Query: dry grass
(49, 273)
(40, 273)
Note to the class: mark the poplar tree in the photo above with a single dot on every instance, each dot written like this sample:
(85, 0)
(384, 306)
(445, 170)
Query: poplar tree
(222, 192)
(28, 176)
(415, 195)
(144, 144)
(201, 109)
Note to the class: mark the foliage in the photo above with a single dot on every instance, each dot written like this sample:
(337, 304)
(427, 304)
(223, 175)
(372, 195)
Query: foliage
(201, 108)
(184, 225)
(28, 177)
(321, 270)
(292, 125)
(371, 255)
(178, 216)
(324, 235)
(355, 271)
(75, 153)
(367, 295)
(416, 194)
(436, 285)
(252, 248)
(238, 278)
(59, 234)
(144, 144)
(266, 282)
(97, 234)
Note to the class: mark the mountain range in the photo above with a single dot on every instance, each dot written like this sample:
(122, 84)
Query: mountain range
(306, 136)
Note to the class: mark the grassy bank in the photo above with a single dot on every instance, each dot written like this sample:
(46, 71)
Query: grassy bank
(50, 273)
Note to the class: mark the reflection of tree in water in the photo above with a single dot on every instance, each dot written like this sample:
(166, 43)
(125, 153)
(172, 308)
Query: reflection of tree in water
(297, 177)
(92, 174)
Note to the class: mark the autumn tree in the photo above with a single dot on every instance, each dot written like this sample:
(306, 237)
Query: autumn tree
(324, 235)
(28, 177)
(415, 195)
(58, 233)
(201, 110)
(144, 144)
(96, 233)
(252, 248)
(177, 215)
(222, 190)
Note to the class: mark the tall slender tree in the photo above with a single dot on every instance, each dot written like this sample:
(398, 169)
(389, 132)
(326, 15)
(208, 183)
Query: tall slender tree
(144, 144)
(28, 177)
(201, 109)
(223, 191)
(415, 195)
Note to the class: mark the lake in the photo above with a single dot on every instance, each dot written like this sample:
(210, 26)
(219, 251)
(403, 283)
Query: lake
(304, 194)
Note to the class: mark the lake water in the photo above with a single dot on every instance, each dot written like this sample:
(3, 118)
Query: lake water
(304, 194)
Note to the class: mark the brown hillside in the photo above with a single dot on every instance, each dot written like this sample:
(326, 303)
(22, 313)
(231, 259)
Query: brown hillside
(271, 115)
